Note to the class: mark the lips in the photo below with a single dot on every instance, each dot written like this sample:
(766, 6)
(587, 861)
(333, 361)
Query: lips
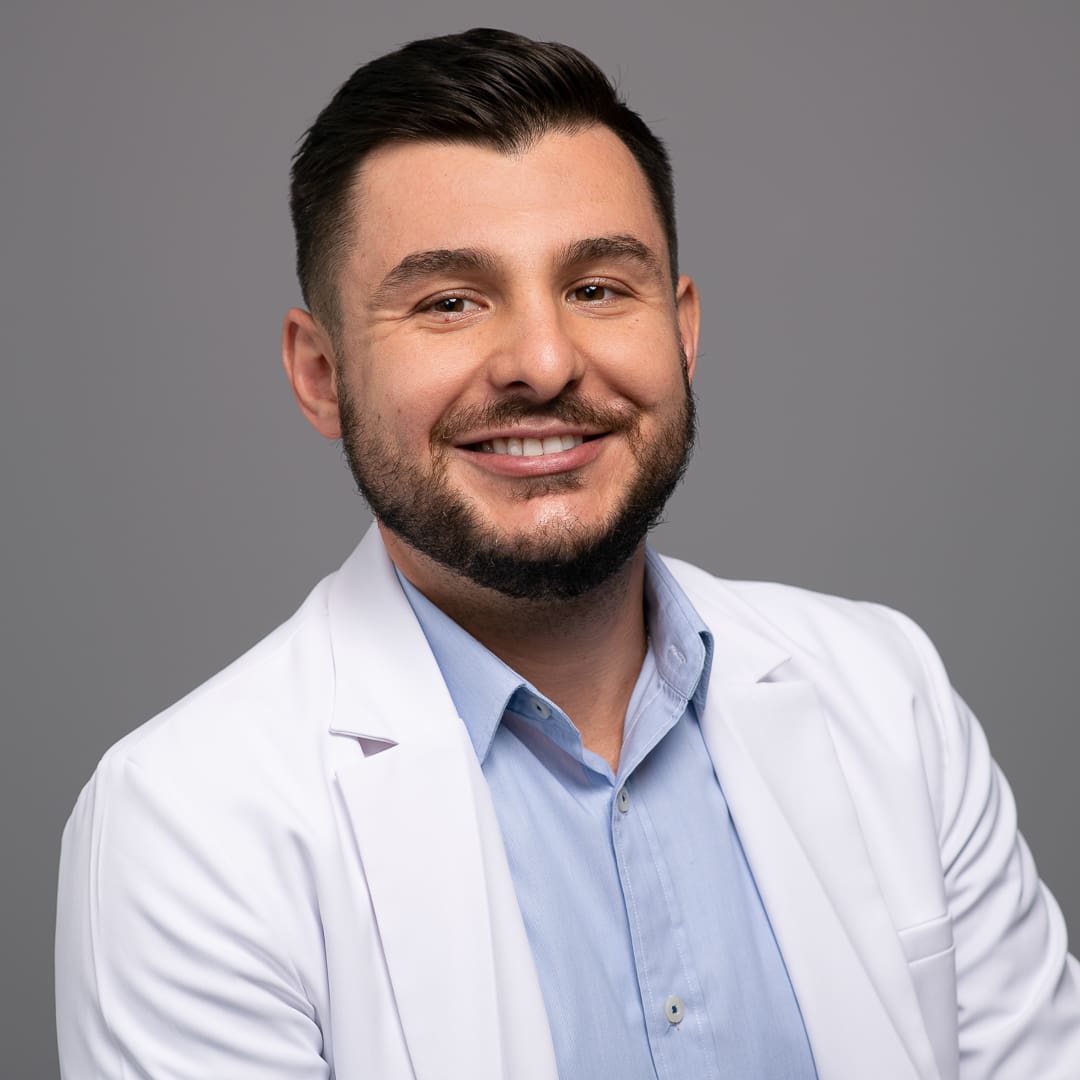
(533, 455)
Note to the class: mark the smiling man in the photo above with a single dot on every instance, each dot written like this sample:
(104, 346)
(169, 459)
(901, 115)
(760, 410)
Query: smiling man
(511, 796)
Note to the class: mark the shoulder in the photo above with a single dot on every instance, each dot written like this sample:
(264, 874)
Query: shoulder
(248, 734)
(905, 741)
(210, 815)
(186, 865)
(878, 676)
(831, 630)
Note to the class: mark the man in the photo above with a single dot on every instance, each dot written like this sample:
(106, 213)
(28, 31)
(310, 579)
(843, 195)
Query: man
(510, 796)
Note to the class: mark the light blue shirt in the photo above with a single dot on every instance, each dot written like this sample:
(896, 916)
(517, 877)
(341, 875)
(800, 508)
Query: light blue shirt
(654, 952)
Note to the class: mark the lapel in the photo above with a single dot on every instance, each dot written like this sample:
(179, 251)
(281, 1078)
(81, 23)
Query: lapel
(773, 752)
(421, 815)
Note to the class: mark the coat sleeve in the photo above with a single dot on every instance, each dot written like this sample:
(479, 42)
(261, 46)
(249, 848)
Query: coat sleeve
(1018, 989)
(164, 968)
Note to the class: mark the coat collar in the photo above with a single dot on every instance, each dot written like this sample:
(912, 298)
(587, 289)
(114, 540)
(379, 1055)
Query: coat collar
(381, 656)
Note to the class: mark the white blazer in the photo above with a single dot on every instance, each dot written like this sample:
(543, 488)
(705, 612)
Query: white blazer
(297, 871)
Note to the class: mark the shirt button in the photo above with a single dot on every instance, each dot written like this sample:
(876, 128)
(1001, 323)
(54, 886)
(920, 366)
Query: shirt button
(540, 708)
(622, 801)
(673, 1010)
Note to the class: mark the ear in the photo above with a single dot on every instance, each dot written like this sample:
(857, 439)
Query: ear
(308, 356)
(688, 313)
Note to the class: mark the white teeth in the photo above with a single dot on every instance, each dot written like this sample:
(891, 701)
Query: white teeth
(529, 447)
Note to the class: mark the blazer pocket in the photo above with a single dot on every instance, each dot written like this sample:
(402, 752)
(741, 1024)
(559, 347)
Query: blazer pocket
(927, 939)
(931, 959)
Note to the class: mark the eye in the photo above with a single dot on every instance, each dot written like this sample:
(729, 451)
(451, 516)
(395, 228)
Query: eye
(592, 292)
(453, 305)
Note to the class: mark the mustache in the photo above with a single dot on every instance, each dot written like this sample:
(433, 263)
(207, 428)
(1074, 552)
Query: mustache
(567, 408)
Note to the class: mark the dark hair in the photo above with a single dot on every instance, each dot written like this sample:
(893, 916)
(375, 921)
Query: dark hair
(488, 87)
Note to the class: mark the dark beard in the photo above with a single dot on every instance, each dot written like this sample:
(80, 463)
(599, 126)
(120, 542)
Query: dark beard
(443, 524)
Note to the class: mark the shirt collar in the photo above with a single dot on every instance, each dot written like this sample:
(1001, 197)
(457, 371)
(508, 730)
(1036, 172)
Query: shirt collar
(682, 644)
(481, 685)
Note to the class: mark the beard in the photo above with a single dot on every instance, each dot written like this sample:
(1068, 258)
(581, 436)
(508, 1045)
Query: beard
(560, 562)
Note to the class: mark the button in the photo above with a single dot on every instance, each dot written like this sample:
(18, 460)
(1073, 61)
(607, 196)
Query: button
(622, 801)
(539, 708)
(673, 1010)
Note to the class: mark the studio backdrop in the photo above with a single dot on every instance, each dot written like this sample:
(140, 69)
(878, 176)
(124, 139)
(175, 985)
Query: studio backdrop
(879, 204)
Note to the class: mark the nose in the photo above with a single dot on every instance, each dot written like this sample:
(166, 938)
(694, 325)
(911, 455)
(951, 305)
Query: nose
(536, 354)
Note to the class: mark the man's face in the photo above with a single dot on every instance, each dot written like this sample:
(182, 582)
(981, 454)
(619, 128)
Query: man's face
(512, 372)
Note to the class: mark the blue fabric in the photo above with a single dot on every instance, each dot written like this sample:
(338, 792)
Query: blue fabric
(637, 899)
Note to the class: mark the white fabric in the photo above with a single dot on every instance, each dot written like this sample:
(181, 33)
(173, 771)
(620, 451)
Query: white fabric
(288, 876)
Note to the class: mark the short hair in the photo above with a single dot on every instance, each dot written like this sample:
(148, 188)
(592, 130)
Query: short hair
(485, 87)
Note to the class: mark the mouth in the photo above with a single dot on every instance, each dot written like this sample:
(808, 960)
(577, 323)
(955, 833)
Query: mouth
(535, 454)
(530, 447)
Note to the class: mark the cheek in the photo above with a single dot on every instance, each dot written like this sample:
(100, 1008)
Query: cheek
(409, 394)
(649, 372)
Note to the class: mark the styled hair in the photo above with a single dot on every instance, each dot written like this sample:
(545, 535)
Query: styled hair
(485, 87)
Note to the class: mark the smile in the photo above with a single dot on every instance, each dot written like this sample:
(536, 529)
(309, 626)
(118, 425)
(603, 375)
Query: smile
(552, 444)
(522, 457)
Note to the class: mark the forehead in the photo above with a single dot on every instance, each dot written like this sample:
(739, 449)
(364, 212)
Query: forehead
(522, 206)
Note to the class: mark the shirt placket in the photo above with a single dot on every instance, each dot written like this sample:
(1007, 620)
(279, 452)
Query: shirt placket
(679, 1037)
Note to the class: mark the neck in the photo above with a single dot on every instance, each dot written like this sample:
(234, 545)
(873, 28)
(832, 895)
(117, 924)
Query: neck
(584, 654)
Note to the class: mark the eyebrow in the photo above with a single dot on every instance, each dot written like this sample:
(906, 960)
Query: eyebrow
(418, 265)
(622, 247)
(421, 264)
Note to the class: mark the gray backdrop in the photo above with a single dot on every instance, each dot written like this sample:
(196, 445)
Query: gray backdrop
(879, 201)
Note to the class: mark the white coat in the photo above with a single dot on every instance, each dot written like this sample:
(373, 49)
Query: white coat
(297, 872)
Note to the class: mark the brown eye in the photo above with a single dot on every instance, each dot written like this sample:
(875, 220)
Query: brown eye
(587, 293)
(450, 305)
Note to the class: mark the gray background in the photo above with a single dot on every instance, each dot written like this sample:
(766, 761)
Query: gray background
(879, 202)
